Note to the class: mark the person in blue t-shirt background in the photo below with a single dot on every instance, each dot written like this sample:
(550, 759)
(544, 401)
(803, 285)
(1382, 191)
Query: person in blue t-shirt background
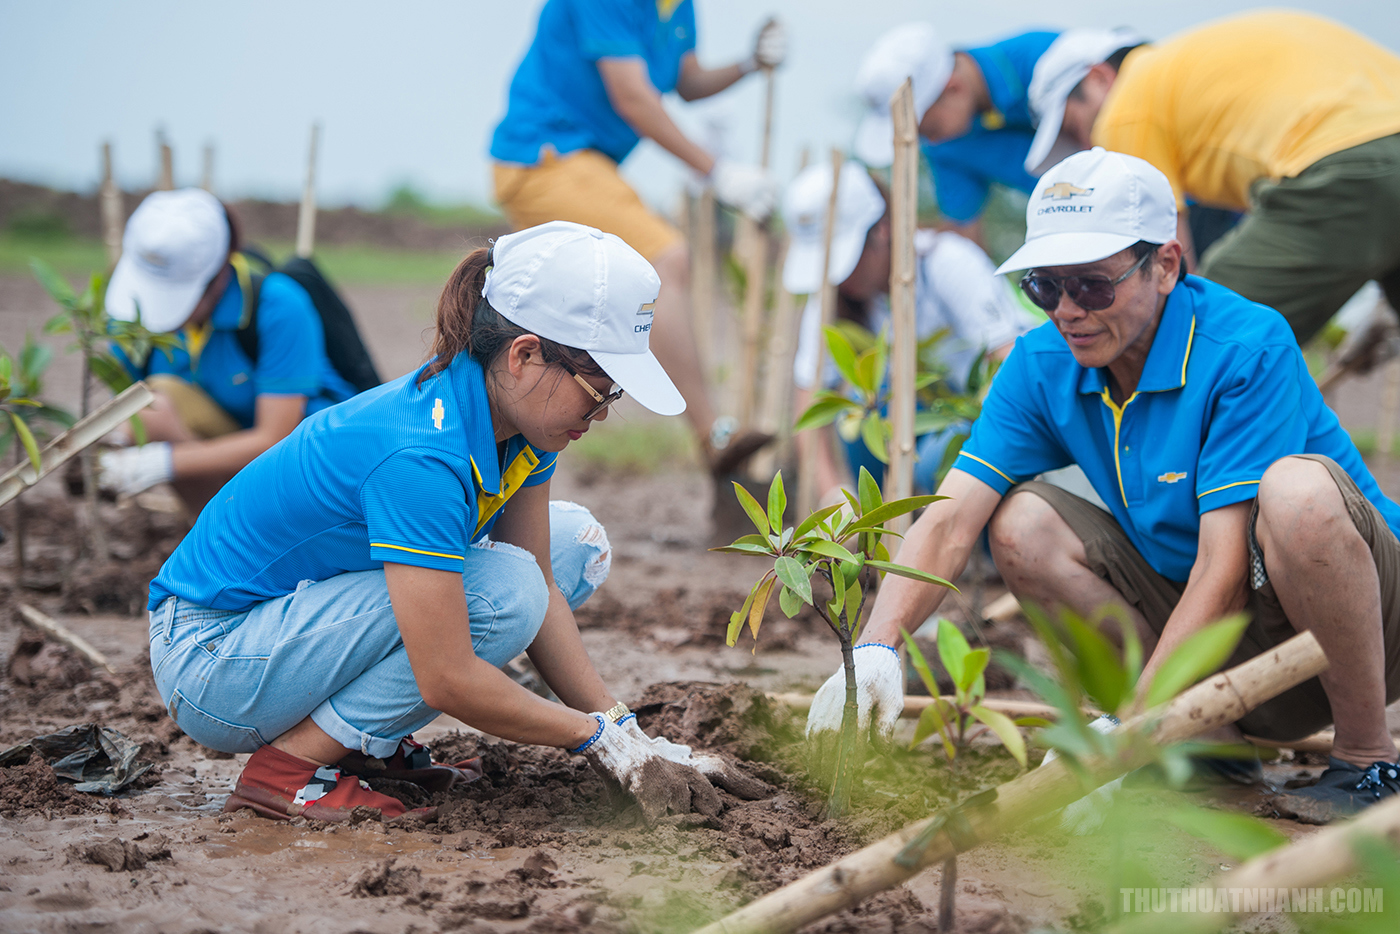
(384, 561)
(216, 409)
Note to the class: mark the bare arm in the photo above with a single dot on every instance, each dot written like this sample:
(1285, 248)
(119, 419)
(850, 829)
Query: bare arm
(637, 101)
(939, 543)
(557, 652)
(274, 418)
(697, 82)
(1217, 586)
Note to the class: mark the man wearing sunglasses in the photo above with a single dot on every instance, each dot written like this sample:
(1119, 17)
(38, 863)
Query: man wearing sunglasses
(1230, 485)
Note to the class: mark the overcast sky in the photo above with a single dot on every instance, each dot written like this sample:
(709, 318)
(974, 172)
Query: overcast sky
(410, 91)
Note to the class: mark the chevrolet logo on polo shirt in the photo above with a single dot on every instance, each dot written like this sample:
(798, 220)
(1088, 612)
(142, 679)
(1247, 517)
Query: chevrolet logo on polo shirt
(1061, 190)
(1171, 476)
(438, 413)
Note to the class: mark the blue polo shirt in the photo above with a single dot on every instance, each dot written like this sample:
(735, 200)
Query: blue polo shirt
(995, 148)
(557, 98)
(292, 357)
(1224, 394)
(401, 473)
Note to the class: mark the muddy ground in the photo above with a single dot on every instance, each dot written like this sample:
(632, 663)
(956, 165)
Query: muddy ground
(537, 844)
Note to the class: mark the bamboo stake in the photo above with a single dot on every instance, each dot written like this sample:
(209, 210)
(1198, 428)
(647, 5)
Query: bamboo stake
(110, 203)
(1218, 700)
(165, 181)
(754, 236)
(807, 467)
(87, 431)
(915, 704)
(703, 273)
(306, 217)
(207, 179)
(904, 195)
(54, 628)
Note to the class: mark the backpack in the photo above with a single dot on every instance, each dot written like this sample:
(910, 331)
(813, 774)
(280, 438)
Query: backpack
(344, 346)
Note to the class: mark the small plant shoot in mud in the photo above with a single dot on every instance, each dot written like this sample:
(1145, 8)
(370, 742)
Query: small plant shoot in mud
(816, 549)
(862, 359)
(21, 383)
(956, 721)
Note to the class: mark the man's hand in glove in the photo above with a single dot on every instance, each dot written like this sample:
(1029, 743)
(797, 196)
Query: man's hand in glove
(661, 786)
(747, 188)
(879, 696)
(717, 769)
(769, 47)
(131, 470)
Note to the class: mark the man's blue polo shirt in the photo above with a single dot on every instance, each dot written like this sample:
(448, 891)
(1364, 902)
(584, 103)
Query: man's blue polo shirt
(557, 98)
(1225, 392)
(401, 473)
(292, 357)
(995, 149)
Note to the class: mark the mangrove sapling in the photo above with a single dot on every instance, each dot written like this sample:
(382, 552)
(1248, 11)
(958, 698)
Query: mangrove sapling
(816, 549)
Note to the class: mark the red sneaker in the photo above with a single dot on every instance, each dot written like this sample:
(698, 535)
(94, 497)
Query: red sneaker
(281, 786)
(412, 762)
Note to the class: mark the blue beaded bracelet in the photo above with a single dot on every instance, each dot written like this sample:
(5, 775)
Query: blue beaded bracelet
(630, 716)
(882, 645)
(602, 722)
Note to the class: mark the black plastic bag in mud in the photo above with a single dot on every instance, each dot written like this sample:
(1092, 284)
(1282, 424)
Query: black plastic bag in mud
(98, 758)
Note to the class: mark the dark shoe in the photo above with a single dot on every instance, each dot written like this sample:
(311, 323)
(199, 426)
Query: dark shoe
(412, 763)
(278, 785)
(731, 458)
(1343, 790)
(1206, 771)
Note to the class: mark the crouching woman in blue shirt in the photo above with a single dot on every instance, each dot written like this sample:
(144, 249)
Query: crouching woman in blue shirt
(380, 564)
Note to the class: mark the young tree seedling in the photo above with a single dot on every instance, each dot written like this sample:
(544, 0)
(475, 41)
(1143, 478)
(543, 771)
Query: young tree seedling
(816, 549)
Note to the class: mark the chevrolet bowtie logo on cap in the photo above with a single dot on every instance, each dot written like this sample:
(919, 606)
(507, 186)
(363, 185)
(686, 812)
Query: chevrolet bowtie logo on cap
(1065, 190)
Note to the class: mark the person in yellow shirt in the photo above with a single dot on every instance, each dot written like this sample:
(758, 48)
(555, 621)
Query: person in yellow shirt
(1289, 116)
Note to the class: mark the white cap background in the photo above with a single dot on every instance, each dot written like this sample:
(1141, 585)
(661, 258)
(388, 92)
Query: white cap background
(175, 243)
(1064, 64)
(1092, 205)
(859, 205)
(589, 290)
(915, 51)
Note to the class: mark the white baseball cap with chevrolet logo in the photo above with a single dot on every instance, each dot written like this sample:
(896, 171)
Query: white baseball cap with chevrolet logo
(174, 244)
(588, 290)
(859, 205)
(1093, 205)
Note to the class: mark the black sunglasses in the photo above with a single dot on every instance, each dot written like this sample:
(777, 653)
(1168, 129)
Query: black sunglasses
(602, 400)
(1092, 293)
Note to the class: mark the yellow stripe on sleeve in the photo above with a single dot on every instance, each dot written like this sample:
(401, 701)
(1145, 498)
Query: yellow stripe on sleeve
(1225, 487)
(416, 551)
(985, 464)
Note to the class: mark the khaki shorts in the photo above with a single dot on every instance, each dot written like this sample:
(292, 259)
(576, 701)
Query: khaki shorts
(1310, 241)
(583, 187)
(204, 417)
(1298, 711)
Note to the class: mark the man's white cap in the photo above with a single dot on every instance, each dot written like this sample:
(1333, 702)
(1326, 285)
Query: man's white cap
(1055, 75)
(859, 205)
(588, 290)
(175, 242)
(1092, 205)
(915, 51)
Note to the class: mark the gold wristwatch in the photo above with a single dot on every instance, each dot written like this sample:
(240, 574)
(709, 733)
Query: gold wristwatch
(616, 713)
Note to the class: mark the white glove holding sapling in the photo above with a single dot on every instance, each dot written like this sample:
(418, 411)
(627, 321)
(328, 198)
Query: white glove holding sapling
(131, 470)
(1081, 818)
(747, 188)
(660, 785)
(715, 768)
(879, 693)
(769, 47)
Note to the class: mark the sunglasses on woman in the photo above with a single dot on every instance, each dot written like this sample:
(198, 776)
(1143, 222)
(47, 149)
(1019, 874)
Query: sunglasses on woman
(1092, 293)
(602, 400)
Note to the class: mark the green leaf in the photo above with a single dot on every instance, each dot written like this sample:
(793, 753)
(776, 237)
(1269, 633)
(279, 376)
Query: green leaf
(854, 597)
(57, 286)
(912, 573)
(838, 593)
(790, 602)
(974, 663)
(736, 620)
(916, 658)
(60, 323)
(869, 490)
(895, 507)
(111, 373)
(794, 577)
(811, 522)
(869, 371)
(1200, 655)
(1103, 675)
(952, 649)
(876, 433)
(26, 438)
(930, 722)
(755, 512)
(1238, 836)
(737, 549)
(760, 604)
(842, 354)
(138, 430)
(821, 546)
(823, 412)
(1032, 721)
(777, 502)
(1006, 731)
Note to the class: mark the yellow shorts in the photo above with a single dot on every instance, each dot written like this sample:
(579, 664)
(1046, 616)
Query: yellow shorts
(204, 417)
(584, 187)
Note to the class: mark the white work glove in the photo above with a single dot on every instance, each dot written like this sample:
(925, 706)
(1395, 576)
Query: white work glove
(715, 768)
(131, 470)
(660, 785)
(879, 692)
(1081, 818)
(769, 46)
(747, 188)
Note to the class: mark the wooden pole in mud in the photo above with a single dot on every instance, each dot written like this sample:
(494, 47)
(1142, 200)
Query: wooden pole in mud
(807, 467)
(206, 180)
(306, 217)
(755, 237)
(1218, 700)
(110, 204)
(904, 196)
(165, 179)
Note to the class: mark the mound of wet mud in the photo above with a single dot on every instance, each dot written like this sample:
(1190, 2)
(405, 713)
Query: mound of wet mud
(33, 788)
